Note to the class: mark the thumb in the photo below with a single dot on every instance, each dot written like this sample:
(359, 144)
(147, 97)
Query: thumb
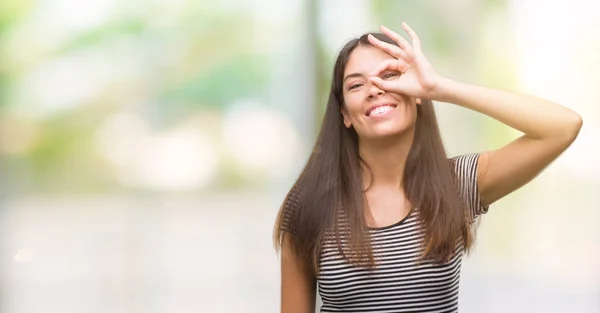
(387, 85)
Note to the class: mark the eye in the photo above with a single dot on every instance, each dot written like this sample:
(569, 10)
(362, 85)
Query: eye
(354, 86)
(391, 75)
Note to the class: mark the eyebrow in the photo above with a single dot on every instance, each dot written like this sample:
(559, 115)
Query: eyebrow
(352, 75)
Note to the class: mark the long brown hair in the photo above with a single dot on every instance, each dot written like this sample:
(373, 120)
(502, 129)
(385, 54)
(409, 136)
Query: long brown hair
(328, 196)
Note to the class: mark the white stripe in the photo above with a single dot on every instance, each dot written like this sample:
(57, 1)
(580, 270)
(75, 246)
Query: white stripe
(399, 283)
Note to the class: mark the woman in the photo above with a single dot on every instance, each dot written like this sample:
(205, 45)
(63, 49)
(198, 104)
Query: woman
(380, 218)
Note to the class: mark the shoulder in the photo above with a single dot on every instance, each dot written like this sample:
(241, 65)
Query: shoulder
(466, 167)
(466, 163)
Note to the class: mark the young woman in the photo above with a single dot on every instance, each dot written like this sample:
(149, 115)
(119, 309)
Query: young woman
(380, 218)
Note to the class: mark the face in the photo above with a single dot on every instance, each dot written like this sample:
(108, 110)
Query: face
(374, 113)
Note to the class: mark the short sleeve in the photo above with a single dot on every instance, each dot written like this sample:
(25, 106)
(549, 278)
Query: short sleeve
(465, 167)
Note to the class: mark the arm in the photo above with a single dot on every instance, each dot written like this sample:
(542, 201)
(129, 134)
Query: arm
(298, 286)
(548, 129)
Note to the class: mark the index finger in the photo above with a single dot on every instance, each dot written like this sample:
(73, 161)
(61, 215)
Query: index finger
(387, 47)
(401, 41)
(413, 36)
(391, 64)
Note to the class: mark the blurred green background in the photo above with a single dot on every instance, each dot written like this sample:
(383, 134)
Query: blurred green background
(145, 146)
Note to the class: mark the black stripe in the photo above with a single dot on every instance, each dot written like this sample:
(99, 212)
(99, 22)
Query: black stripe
(399, 283)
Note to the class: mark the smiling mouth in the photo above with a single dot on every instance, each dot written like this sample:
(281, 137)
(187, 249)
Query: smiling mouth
(380, 110)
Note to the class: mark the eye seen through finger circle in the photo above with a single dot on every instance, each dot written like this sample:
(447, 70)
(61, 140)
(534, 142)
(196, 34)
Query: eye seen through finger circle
(391, 74)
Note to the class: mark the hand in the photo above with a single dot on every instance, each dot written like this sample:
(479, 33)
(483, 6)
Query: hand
(418, 78)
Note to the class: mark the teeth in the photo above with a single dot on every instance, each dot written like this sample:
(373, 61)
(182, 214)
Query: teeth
(381, 110)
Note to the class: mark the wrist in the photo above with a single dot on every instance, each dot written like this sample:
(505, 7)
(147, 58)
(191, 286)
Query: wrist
(441, 90)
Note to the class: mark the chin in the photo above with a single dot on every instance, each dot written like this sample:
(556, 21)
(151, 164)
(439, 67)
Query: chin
(381, 131)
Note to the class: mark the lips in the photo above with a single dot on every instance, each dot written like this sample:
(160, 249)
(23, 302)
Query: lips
(380, 109)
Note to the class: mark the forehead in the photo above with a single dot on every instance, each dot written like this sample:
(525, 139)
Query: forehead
(364, 59)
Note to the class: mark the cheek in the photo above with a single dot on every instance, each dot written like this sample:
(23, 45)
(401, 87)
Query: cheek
(353, 106)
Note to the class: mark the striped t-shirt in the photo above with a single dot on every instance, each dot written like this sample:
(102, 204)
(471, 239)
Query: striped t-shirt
(399, 283)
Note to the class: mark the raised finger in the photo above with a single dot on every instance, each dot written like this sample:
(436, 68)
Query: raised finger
(413, 36)
(387, 47)
(400, 40)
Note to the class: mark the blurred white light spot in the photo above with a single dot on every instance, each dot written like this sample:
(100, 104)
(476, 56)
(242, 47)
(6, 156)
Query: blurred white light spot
(178, 160)
(182, 159)
(260, 139)
(342, 19)
(24, 255)
(275, 11)
(59, 85)
(563, 73)
(89, 14)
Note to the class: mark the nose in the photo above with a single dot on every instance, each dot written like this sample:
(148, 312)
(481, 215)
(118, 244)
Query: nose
(374, 90)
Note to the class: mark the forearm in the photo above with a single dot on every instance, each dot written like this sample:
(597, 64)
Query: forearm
(535, 117)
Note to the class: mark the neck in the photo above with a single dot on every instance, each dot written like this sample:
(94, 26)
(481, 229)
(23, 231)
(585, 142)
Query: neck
(386, 160)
